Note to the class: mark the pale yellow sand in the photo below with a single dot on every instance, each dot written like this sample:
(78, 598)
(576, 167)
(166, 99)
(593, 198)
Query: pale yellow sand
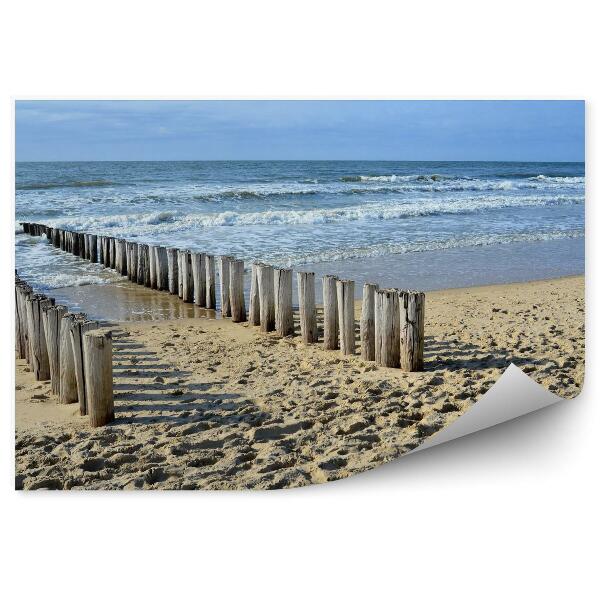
(211, 404)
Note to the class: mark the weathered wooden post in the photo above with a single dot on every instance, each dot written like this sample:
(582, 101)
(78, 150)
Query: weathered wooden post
(20, 335)
(172, 269)
(86, 246)
(308, 311)
(20, 351)
(224, 285)
(367, 322)
(199, 277)
(211, 299)
(162, 268)
(266, 294)
(117, 255)
(113, 253)
(345, 300)
(40, 364)
(97, 359)
(254, 312)
(133, 261)
(74, 243)
(330, 313)
(180, 254)
(187, 277)
(123, 246)
(100, 250)
(93, 248)
(143, 276)
(387, 328)
(24, 292)
(52, 319)
(78, 329)
(236, 290)
(412, 329)
(284, 316)
(152, 265)
(68, 380)
(104, 257)
(81, 245)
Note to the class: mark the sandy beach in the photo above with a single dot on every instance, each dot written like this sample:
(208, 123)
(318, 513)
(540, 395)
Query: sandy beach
(208, 404)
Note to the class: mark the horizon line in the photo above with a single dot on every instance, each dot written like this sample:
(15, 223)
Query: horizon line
(296, 160)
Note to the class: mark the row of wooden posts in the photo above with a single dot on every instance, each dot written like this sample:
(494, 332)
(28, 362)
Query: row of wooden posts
(391, 323)
(67, 349)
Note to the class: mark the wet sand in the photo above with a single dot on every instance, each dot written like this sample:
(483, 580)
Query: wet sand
(204, 403)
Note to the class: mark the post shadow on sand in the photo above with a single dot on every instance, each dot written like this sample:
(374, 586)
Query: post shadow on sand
(458, 356)
(178, 399)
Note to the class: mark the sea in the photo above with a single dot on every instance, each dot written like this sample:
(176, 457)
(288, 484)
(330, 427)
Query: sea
(423, 225)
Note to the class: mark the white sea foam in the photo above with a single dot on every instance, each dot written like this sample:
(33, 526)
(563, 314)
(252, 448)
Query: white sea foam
(172, 221)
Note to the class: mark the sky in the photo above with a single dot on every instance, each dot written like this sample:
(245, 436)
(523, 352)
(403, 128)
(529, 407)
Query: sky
(53, 130)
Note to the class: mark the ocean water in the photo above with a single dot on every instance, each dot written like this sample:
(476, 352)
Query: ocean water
(317, 214)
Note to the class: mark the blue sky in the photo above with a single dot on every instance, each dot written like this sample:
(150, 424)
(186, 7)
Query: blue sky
(344, 130)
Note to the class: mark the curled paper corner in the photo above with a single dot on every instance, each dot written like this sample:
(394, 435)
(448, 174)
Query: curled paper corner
(513, 395)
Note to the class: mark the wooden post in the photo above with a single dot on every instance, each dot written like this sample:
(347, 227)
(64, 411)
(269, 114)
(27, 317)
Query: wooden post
(187, 278)
(172, 269)
(113, 253)
(345, 300)
(68, 380)
(128, 259)
(81, 245)
(284, 316)
(21, 288)
(224, 285)
(211, 300)
(20, 351)
(93, 248)
(162, 268)
(143, 277)
(387, 328)
(180, 273)
(152, 265)
(266, 294)
(367, 322)
(308, 311)
(236, 290)
(74, 243)
(123, 246)
(199, 277)
(103, 257)
(24, 292)
(330, 313)
(412, 329)
(254, 313)
(117, 255)
(52, 318)
(78, 328)
(40, 364)
(97, 359)
(86, 246)
(133, 261)
(100, 250)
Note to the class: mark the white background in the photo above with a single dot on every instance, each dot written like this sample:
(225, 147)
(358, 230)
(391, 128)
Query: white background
(507, 513)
